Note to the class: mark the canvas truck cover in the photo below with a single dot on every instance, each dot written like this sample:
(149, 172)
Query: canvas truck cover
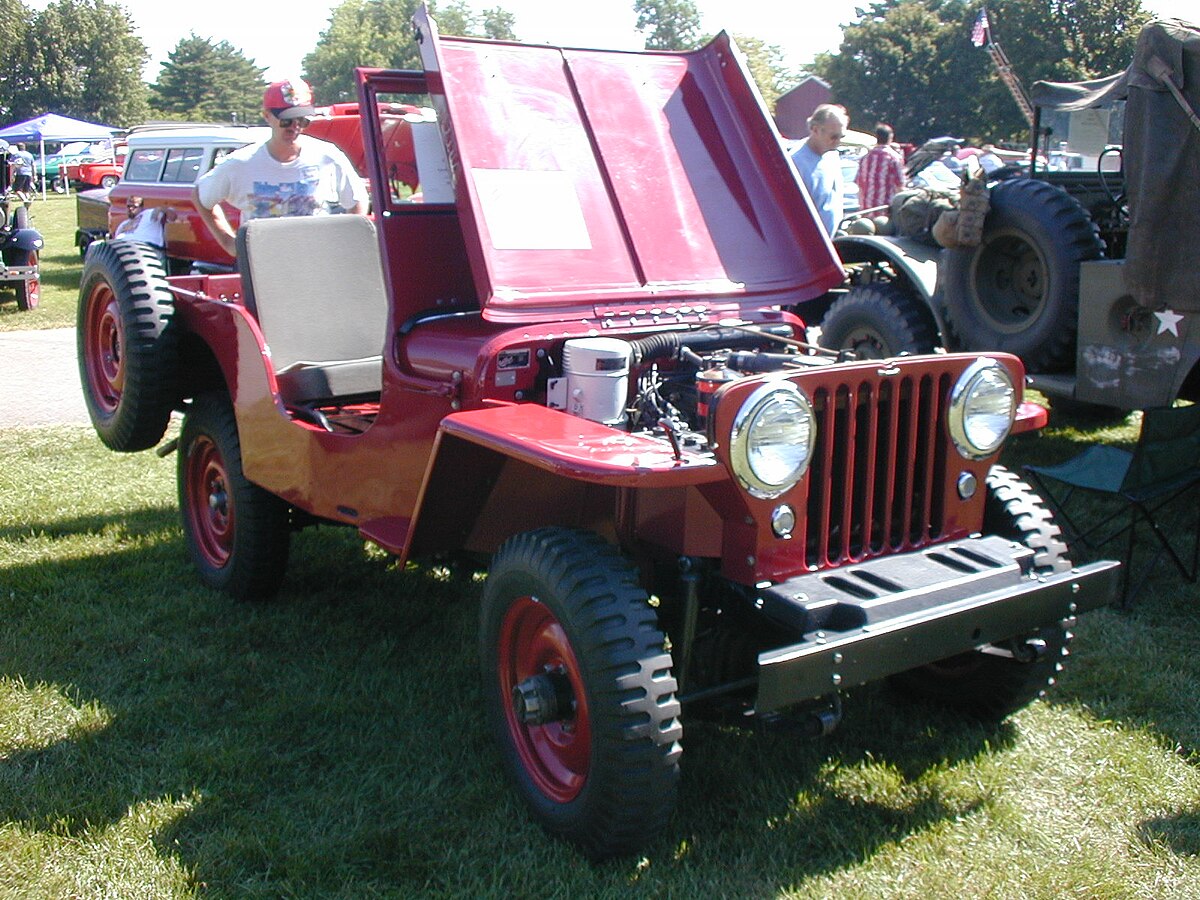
(1161, 159)
(600, 182)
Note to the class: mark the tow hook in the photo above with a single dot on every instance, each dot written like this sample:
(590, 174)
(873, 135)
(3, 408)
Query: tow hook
(1022, 651)
(814, 723)
(541, 699)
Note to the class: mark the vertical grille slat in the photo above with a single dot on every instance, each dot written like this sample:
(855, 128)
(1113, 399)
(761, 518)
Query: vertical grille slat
(876, 480)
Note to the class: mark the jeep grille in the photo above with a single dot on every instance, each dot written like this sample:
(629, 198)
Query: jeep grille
(875, 486)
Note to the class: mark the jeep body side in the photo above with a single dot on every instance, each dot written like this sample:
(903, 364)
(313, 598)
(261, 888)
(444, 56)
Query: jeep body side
(561, 342)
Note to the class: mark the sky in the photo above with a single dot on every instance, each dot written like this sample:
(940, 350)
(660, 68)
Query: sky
(279, 36)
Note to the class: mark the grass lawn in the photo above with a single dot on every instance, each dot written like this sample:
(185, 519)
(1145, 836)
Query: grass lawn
(60, 263)
(160, 741)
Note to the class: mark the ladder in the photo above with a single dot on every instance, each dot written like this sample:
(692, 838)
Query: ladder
(1011, 81)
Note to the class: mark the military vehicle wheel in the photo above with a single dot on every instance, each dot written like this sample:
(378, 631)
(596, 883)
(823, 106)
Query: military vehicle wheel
(579, 690)
(878, 321)
(1018, 291)
(127, 344)
(237, 534)
(991, 686)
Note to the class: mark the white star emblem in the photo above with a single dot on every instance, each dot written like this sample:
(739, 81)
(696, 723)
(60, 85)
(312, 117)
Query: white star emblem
(1168, 320)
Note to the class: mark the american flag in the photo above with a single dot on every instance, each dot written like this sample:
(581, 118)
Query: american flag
(979, 32)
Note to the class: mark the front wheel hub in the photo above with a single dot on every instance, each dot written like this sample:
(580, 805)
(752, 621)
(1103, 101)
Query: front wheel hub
(541, 699)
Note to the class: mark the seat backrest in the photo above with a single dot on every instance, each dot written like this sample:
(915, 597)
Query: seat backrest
(315, 284)
(1168, 447)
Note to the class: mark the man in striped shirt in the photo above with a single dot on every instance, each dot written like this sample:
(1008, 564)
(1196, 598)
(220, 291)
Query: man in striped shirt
(880, 172)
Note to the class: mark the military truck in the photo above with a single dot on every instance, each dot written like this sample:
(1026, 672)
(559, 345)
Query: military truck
(1079, 270)
(560, 349)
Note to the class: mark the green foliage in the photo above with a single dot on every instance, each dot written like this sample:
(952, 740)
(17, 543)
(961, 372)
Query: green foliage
(361, 33)
(380, 33)
(912, 63)
(208, 82)
(82, 59)
(767, 67)
(669, 24)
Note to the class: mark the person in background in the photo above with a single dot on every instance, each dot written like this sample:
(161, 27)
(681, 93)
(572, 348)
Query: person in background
(20, 164)
(289, 174)
(819, 165)
(145, 225)
(881, 172)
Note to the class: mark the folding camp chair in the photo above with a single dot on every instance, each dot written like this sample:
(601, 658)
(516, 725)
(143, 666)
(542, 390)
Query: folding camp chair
(1161, 468)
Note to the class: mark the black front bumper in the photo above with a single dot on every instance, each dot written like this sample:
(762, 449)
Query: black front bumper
(865, 622)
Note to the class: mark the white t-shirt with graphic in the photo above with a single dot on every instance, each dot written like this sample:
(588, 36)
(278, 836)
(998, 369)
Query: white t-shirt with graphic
(319, 181)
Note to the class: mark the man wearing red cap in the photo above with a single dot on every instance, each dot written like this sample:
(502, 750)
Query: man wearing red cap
(290, 174)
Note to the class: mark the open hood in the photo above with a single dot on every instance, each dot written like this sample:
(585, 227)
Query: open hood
(600, 183)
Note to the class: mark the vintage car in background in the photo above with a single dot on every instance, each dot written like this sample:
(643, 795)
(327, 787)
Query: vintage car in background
(160, 167)
(98, 173)
(161, 164)
(52, 171)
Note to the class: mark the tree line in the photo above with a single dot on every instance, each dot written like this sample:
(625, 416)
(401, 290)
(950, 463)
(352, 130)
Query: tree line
(907, 62)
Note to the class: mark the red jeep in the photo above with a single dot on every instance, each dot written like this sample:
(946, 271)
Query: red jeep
(568, 349)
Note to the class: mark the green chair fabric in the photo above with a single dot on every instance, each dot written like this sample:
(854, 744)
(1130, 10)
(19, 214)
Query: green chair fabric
(1162, 468)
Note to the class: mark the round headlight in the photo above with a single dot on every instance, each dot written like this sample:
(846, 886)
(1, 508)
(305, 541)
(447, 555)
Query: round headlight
(983, 406)
(773, 437)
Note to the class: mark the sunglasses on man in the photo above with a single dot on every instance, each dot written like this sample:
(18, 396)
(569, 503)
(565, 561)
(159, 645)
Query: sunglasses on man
(300, 122)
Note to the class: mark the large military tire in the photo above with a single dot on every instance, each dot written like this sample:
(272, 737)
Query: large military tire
(128, 346)
(878, 321)
(237, 533)
(983, 685)
(579, 690)
(1018, 291)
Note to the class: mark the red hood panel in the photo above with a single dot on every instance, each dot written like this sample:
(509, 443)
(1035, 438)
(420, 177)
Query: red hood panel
(605, 178)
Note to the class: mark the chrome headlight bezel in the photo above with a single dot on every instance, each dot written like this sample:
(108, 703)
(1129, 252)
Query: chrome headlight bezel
(753, 472)
(983, 407)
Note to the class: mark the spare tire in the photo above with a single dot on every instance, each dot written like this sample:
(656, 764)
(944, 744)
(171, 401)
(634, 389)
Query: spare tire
(1018, 291)
(128, 346)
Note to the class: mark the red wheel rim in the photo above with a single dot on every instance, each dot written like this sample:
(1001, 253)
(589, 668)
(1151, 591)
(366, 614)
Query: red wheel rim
(557, 755)
(104, 360)
(210, 507)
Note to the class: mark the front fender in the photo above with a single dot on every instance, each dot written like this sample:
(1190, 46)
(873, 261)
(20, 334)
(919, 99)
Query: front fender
(913, 261)
(24, 239)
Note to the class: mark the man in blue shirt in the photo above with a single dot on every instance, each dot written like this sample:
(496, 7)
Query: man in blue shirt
(819, 165)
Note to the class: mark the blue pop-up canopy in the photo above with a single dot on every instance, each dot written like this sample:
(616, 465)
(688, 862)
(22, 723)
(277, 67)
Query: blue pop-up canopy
(53, 127)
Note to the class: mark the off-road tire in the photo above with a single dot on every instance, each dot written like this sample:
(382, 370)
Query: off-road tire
(128, 345)
(878, 321)
(1018, 291)
(605, 777)
(237, 533)
(986, 686)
